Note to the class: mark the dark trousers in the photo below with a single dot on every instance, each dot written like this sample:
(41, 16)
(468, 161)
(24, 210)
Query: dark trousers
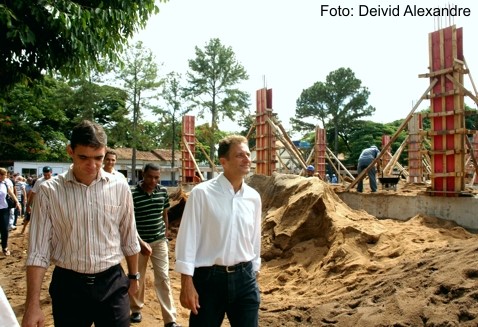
(371, 175)
(220, 292)
(4, 220)
(79, 300)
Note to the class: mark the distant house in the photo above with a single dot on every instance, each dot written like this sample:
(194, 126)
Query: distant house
(163, 157)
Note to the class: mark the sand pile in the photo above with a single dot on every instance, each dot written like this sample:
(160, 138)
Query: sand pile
(328, 265)
(325, 264)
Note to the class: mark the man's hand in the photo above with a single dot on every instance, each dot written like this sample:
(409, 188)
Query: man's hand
(133, 286)
(33, 317)
(189, 298)
(145, 248)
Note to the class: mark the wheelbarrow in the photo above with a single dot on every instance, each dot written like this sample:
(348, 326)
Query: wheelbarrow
(389, 182)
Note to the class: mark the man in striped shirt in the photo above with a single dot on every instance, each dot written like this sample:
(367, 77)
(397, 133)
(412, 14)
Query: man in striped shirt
(151, 204)
(83, 222)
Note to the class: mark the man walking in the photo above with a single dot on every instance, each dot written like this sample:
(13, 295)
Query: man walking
(219, 242)
(151, 204)
(83, 222)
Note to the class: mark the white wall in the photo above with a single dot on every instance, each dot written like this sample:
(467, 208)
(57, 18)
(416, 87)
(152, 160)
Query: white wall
(23, 167)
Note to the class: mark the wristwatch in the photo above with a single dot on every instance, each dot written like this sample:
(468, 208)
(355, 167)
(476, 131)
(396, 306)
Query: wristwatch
(134, 276)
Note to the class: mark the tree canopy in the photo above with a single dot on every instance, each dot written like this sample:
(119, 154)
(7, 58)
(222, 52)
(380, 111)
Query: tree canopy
(212, 78)
(70, 37)
(336, 103)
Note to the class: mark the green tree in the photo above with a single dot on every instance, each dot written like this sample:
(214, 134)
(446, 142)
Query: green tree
(65, 35)
(140, 81)
(101, 103)
(212, 78)
(176, 106)
(32, 124)
(337, 103)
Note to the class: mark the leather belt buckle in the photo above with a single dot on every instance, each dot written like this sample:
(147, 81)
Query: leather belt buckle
(230, 269)
(90, 280)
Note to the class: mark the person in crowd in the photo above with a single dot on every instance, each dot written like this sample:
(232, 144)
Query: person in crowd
(83, 222)
(151, 204)
(5, 188)
(11, 181)
(29, 187)
(47, 174)
(367, 156)
(309, 171)
(21, 193)
(219, 242)
(110, 161)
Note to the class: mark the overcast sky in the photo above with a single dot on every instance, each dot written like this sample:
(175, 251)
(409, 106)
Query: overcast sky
(291, 45)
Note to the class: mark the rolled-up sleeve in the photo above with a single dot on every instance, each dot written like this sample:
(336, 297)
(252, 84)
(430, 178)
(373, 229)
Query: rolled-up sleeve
(186, 241)
(129, 236)
(40, 232)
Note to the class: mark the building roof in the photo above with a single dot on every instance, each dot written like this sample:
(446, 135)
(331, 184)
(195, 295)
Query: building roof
(127, 154)
(153, 155)
(166, 154)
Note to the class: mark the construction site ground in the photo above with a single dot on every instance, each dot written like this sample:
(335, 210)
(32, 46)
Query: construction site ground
(327, 264)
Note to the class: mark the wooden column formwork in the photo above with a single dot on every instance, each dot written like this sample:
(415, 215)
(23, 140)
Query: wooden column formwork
(415, 165)
(188, 148)
(387, 155)
(320, 151)
(447, 112)
(265, 139)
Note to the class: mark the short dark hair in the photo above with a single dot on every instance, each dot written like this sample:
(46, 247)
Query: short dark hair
(88, 133)
(111, 151)
(225, 144)
(151, 166)
(47, 169)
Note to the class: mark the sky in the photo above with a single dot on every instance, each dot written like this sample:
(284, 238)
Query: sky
(289, 45)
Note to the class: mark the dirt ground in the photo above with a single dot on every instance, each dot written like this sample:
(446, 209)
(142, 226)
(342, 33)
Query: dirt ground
(325, 264)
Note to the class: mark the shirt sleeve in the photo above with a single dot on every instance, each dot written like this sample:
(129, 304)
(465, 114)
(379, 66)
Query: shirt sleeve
(186, 241)
(129, 239)
(256, 242)
(40, 232)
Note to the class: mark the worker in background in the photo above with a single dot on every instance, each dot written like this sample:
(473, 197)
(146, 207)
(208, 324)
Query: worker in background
(366, 157)
(334, 179)
(309, 171)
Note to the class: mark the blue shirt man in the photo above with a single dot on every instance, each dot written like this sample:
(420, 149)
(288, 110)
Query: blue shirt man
(366, 157)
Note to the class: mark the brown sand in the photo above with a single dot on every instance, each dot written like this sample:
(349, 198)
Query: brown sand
(325, 264)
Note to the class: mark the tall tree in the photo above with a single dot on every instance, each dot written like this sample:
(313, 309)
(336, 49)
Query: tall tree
(213, 77)
(337, 103)
(69, 36)
(176, 106)
(140, 81)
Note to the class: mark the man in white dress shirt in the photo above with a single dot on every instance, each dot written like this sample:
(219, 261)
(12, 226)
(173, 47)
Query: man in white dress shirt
(218, 244)
(109, 163)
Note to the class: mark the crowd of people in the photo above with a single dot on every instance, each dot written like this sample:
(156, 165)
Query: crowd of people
(19, 189)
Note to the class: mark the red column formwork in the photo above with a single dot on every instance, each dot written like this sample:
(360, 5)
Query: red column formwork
(320, 151)
(447, 118)
(387, 156)
(265, 139)
(189, 137)
(415, 163)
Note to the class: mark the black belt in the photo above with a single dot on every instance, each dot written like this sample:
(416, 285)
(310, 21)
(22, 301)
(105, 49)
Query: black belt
(89, 279)
(228, 269)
